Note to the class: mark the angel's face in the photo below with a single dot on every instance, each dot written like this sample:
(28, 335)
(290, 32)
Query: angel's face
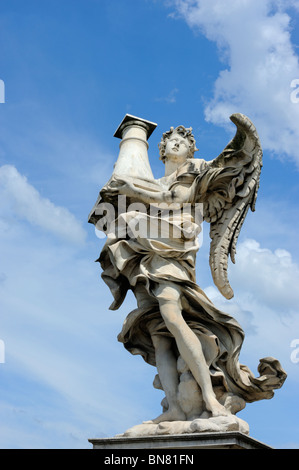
(177, 148)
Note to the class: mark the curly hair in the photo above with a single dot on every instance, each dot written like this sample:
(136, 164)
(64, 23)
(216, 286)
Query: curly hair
(183, 132)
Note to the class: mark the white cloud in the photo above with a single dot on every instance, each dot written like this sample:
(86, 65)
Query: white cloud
(19, 196)
(234, 308)
(58, 335)
(254, 40)
(272, 276)
(266, 303)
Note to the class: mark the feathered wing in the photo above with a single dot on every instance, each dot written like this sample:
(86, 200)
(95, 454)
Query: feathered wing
(228, 189)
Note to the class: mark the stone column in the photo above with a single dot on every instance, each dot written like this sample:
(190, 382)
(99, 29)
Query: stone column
(133, 157)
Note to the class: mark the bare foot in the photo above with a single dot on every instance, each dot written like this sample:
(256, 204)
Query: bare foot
(169, 415)
(216, 408)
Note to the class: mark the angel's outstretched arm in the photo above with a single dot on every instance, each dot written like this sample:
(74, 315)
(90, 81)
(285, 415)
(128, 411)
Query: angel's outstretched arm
(179, 194)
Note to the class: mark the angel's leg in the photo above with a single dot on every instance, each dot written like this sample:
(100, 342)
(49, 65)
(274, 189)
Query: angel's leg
(188, 345)
(166, 363)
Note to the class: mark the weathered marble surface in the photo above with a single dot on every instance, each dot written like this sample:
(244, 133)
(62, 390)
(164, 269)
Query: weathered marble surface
(152, 241)
(218, 424)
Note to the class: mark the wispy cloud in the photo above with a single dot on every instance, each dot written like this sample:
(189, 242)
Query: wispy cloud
(254, 40)
(273, 276)
(171, 97)
(266, 302)
(55, 328)
(18, 195)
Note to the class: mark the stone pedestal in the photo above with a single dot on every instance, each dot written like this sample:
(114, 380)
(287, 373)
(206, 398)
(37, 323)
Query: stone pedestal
(182, 442)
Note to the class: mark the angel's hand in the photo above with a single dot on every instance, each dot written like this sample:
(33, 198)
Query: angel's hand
(118, 186)
(124, 187)
(107, 192)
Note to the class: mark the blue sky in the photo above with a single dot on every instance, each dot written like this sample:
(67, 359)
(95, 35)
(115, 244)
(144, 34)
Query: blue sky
(72, 69)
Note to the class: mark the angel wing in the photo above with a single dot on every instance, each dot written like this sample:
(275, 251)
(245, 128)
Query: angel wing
(230, 185)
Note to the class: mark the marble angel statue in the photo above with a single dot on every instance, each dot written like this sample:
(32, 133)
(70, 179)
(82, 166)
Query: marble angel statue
(175, 327)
